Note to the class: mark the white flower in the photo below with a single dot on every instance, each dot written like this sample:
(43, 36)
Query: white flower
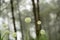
(39, 22)
(27, 19)
(42, 32)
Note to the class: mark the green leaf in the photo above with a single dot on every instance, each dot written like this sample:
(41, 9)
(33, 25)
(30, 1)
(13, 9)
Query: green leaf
(0, 36)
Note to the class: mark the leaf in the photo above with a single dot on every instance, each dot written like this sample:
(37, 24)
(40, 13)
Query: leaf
(0, 36)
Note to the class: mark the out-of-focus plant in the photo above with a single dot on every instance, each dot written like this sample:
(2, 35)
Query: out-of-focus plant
(0, 34)
(43, 35)
(4, 34)
(42, 32)
(5, 25)
(14, 34)
(39, 22)
(27, 19)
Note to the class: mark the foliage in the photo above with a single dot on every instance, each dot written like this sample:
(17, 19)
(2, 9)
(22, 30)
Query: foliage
(4, 34)
(14, 34)
(43, 37)
(26, 14)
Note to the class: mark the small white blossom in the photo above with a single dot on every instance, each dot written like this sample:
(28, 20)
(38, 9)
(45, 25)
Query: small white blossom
(27, 19)
(42, 32)
(39, 22)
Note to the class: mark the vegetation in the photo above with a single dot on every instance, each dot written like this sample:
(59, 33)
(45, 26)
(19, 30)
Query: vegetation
(29, 19)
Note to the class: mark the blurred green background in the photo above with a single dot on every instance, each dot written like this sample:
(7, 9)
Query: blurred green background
(49, 11)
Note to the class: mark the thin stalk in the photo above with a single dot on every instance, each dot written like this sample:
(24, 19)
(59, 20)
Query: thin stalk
(37, 18)
(20, 21)
(12, 10)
